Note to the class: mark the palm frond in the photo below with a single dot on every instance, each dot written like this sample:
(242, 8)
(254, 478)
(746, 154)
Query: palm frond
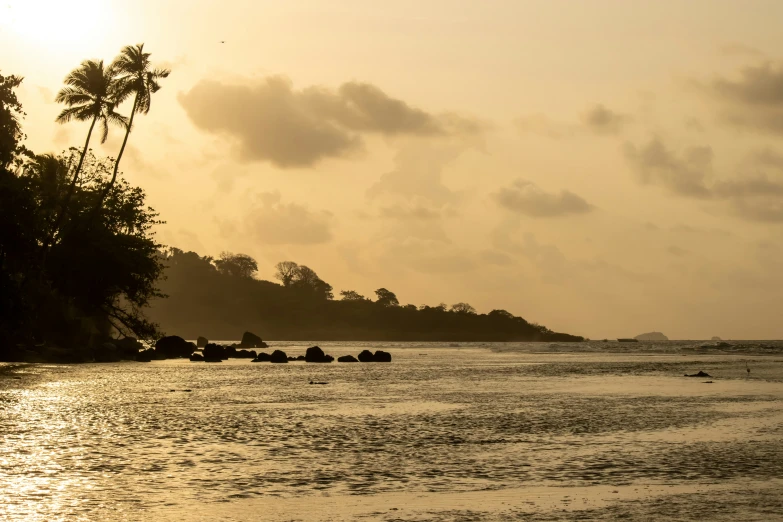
(116, 118)
(73, 96)
(78, 113)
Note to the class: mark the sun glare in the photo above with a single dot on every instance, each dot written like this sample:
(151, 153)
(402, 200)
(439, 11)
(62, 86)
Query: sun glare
(56, 24)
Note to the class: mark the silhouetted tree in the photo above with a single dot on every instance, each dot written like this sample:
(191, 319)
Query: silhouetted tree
(10, 115)
(305, 279)
(463, 308)
(89, 96)
(101, 274)
(286, 271)
(238, 265)
(386, 297)
(352, 295)
(500, 314)
(137, 78)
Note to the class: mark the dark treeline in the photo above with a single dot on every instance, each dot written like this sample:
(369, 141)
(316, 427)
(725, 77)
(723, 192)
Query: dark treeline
(78, 258)
(219, 298)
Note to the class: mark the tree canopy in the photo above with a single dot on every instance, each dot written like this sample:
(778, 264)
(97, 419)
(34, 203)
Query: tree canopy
(70, 280)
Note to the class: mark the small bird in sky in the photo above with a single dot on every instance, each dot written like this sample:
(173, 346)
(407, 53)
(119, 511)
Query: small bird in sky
(222, 41)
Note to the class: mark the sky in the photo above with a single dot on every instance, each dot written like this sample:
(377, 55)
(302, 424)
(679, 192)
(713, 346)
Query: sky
(604, 168)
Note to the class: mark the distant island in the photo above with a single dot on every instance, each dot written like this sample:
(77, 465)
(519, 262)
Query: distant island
(218, 297)
(651, 336)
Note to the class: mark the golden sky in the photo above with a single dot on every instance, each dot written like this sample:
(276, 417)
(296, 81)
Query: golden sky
(602, 167)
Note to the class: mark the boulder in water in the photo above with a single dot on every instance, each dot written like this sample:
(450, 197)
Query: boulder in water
(251, 340)
(347, 358)
(651, 336)
(174, 346)
(107, 352)
(146, 355)
(366, 356)
(278, 356)
(262, 357)
(214, 352)
(315, 354)
(195, 356)
(381, 356)
(129, 347)
(201, 342)
(245, 354)
(700, 374)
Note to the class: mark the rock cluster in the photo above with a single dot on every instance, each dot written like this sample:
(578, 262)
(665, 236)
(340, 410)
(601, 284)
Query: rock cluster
(378, 356)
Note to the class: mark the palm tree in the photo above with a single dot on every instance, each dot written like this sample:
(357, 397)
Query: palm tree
(89, 96)
(136, 78)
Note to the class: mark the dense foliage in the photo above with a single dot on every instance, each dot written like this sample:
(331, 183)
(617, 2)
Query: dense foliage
(70, 277)
(204, 298)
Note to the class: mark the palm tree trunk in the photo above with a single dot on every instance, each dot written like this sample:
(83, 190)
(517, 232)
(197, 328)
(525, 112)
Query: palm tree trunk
(71, 189)
(119, 157)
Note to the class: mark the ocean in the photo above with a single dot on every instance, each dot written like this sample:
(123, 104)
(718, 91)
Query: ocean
(467, 431)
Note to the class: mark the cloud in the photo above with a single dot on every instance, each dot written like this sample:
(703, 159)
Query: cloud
(754, 197)
(272, 121)
(598, 119)
(414, 212)
(755, 99)
(682, 174)
(277, 223)
(418, 173)
(601, 120)
(524, 197)
(767, 158)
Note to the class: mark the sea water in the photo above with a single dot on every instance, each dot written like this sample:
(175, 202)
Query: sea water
(503, 431)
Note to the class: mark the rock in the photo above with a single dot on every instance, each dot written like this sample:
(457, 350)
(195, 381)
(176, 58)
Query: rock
(129, 347)
(651, 336)
(195, 356)
(700, 374)
(300, 357)
(214, 352)
(201, 342)
(108, 352)
(347, 358)
(317, 382)
(314, 354)
(174, 346)
(251, 340)
(381, 356)
(146, 355)
(245, 354)
(278, 356)
(262, 357)
(366, 356)
(716, 338)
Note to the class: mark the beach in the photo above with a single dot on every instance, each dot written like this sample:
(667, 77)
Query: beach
(506, 431)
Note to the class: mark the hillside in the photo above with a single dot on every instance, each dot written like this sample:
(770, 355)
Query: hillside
(220, 298)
